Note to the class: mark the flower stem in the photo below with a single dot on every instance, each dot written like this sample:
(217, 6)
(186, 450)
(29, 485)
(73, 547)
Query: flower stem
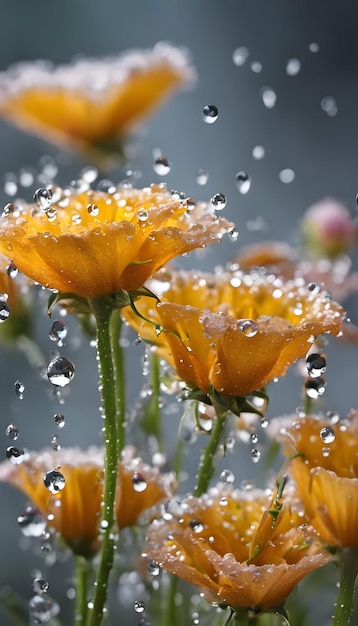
(117, 351)
(152, 417)
(241, 617)
(207, 467)
(103, 312)
(81, 571)
(348, 570)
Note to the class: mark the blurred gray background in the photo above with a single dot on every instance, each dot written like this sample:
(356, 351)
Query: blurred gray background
(297, 134)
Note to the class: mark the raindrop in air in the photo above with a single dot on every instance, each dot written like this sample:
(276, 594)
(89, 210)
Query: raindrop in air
(227, 476)
(15, 455)
(43, 198)
(161, 166)
(243, 182)
(58, 331)
(248, 327)
(286, 175)
(4, 311)
(315, 387)
(293, 67)
(233, 234)
(256, 67)
(269, 97)
(240, 55)
(89, 174)
(313, 47)
(41, 608)
(329, 106)
(210, 113)
(40, 585)
(255, 455)
(327, 435)
(139, 482)
(202, 177)
(218, 200)
(106, 186)
(60, 371)
(316, 365)
(31, 522)
(12, 270)
(254, 438)
(258, 152)
(54, 481)
(59, 420)
(333, 417)
(139, 606)
(12, 432)
(19, 389)
(153, 568)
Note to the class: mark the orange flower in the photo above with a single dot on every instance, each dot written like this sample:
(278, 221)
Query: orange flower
(327, 475)
(93, 244)
(140, 487)
(91, 102)
(210, 545)
(233, 331)
(71, 501)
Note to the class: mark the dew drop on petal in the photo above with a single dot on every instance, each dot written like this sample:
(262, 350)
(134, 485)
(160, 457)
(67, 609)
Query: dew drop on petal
(227, 476)
(59, 420)
(327, 434)
(58, 331)
(12, 432)
(293, 67)
(54, 481)
(202, 177)
(197, 527)
(31, 522)
(314, 288)
(92, 209)
(40, 585)
(106, 186)
(139, 483)
(142, 215)
(269, 97)
(240, 55)
(210, 113)
(218, 200)
(60, 371)
(286, 175)
(9, 209)
(243, 182)
(43, 198)
(15, 455)
(248, 327)
(258, 152)
(316, 365)
(161, 166)
(4, 311)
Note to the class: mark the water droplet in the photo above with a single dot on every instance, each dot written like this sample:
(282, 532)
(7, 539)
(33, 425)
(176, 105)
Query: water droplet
(233, 234)
(256, 67)
(202, 177)
(12, 432)
(15, 455)
(254, 438)
(142, 215)
(316, 365)
(43, 198)
(240, 55)
(59, 420)
(329, 106)
(247, 485)
(60, 371)
(153, 568)
(327, 434)
(293, 67)
(54, 481)
(58, 331)
(9, 209)
(263, 422)
(89, 174)
(10, 184)
(31, 522)
(255, 455)
(26, 177)
(286, 175)
(19, 389)
(161, 166)
(40, 585)
(333, 417)
(269, 97)
(314, 288)
(41, 608)
(4, 311)
(227, 476)
(210, 113)
(92, 209)
(248, 327)
(218, 200)
(315, 387)
(139, 606)
(12, 270)
(258, 152)
(197, 527)
(243, 182)
(139, 482)
(313, 47)
(106, 186)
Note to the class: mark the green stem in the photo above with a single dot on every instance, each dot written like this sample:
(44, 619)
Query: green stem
(103, 312)
(348, 570)
(152, 417)
(241, 617)
(169, 613)
(117, 351)
(207, 466)
(81, 572)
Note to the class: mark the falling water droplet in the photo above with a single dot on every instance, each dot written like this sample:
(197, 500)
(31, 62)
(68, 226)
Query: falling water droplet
(12, 270)
(31, 522)
(233, 234)
(54, 481)
(269, 97)
(161, 166)
(153, 568)
(327, 434)
(254, 438)
(316, 365)
(243, 182)
(43, 198)
(202, 177)
(329, 106)
(59, 420)
(248, 327)
(293, 67)
(60, 371)
(19, 389)
(240, 55)
(333, 417)
(313, 47)
(58, 331)
(218, 200)
(12, 432)
(40, 585)
(286, 175)
(139, 482)
(315, 387)
(89, 174)
(9, 209)
(227, 476)
(258, 152)
(139, 606)
(255, 455)
(210, 113)
(15, 455)
(41, 608)
(4, 311)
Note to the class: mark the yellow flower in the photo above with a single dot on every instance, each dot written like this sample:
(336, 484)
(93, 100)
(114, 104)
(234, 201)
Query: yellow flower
(140, 487)
(210, 544)
(71, 501)
(92, 244)
(91, 102)
(326, 476)
(233, 331)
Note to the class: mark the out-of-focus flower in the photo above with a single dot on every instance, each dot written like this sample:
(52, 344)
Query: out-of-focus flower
(91, 102)
(213, 545)
(140, 487)
(71, 501)
(233, 332)
(91, 244)
(328, 229)
(326, 475)
(274, 256)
